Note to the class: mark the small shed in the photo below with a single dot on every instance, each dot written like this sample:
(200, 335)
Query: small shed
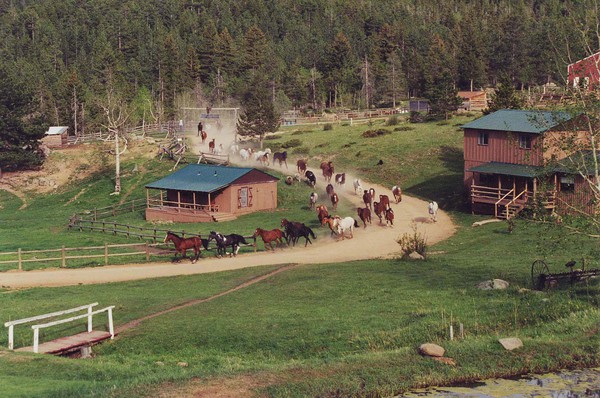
(207, 193)
(418, 105)
(473, 100)
(56, 137)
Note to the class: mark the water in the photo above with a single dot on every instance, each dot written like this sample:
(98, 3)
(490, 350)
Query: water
(565, 384)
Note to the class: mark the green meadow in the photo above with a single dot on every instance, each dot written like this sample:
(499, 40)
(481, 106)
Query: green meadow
(334, 330)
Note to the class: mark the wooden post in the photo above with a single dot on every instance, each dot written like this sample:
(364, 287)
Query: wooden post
(209, 205)
(95, 213)
(178, 199)
(147, 198)
(147, 252)
(89, 325)
(161, 198)
(451, 333)
(63, 256)
(11, 337)
(194, 196)
(36, 340)
(105, 253)
(20, 259)
(499, 187)
(514, 187)
(462, 331)
(111, 328)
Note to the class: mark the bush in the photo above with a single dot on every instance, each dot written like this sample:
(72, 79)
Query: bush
(294, 142)
(416, 117)
(375, 133)
(301, 150)
(392, 121)
(404, 128)
(412, 242)
(300, 132)
(327, 127)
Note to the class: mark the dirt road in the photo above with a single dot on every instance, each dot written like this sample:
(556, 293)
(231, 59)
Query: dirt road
(375, 241)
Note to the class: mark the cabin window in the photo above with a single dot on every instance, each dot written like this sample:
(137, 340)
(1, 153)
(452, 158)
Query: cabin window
(567, 184)
(483, 139)
(244, 197)
(524, 141)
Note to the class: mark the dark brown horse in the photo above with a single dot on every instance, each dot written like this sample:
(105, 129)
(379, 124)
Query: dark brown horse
(183, 244)
(365, 215)
(329, 190)
(367, 198)
(269, 236)
(281, 157)
(389, 216)
(322, 213)
(328, 170)
(203, 135)
(379, 210)
(211, 146)
(340, 179)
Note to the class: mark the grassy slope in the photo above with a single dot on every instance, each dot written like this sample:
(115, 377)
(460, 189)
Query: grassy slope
(349, 329)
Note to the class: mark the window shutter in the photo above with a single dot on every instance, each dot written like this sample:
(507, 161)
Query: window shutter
(239, 198)
(249, 197)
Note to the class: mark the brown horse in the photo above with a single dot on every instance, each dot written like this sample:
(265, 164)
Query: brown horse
(211, 146)
(379, 210)
(268, 237)
(340, 179)
(389, 216)
(367, 198)
(322, 213)
(301, 165)
(329, 190)
(334, 200)
(365, 215)
(183, 244)
(384, 201)
(328, 170)
(203, 135)
(397, 191)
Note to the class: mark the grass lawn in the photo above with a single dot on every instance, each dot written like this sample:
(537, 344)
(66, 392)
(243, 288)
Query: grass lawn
(347, 329)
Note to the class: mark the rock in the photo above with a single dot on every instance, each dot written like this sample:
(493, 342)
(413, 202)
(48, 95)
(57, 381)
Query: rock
(150, 140)
(432, 350)
(159, 363)
(493, 284)
(447, 361)
(511, 343)
(182, 364)
(415, 256)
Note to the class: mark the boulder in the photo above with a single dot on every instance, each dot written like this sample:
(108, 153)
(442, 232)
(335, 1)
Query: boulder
(182, 364)
(511, 343)
(415, 256)
(432, 350)
(493, 284)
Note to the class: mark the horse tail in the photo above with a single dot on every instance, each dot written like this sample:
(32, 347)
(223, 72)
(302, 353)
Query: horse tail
(355, 223)
(243, 240)
(204, 243)
(311, 232)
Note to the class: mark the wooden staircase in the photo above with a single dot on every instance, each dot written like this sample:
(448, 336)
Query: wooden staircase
(510, 211)
(222, 216)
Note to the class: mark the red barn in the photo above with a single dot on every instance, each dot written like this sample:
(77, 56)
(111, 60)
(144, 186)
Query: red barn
(585, 72)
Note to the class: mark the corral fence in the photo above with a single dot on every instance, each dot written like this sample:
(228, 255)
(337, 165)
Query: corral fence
(99, 213)
(155, 130)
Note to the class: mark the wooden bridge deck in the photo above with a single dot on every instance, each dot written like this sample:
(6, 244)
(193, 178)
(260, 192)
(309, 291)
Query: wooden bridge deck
(67, 344)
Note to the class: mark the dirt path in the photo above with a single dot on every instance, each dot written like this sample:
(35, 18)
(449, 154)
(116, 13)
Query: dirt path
(376, 241)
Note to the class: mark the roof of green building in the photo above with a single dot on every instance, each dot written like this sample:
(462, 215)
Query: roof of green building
(509, 169)
(521, 121)
(202, 178)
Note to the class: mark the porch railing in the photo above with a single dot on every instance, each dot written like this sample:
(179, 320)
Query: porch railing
(181, 206)
(478, 191)
(499, 201)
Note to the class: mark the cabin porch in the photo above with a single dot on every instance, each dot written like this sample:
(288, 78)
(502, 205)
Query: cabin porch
(185, 206)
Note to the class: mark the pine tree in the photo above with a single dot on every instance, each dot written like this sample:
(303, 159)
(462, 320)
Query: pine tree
(20, 126)
(443, 98)
(505, 97)
(259, 117)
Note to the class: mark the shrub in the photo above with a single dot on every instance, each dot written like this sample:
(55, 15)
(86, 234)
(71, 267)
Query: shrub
(301, 150)
(416, 117)
(412, 242)
(294, 142)
(375, 133)
(392, 121)
(300, 132)
(327, 127)
(404, 128)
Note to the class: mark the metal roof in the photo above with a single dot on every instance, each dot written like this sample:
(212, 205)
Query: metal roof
(55, 130)
(520, 121)
(509, 169)
(202, 178)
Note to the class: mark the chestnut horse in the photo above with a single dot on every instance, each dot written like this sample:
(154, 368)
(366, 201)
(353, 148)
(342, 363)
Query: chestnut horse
(384, 201)
(365, 215)
(301, 165)
(379, 210)
(327, 168)
(389, 216)
(182, 244)
(211, 146)
(268, 237)
(322, 213)
(329, 190)
(397, 191)
(203, 135)
(367, 198)
(334, 200)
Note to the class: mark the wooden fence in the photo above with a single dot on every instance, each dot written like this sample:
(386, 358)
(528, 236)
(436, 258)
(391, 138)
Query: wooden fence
(62, 255)
(130, 231)
(155, 130)
(99, 213)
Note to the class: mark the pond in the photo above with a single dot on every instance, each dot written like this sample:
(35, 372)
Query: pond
(564, 384)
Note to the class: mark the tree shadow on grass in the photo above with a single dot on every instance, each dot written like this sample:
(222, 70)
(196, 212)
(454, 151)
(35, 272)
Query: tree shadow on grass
(447, 190)
(453, 158)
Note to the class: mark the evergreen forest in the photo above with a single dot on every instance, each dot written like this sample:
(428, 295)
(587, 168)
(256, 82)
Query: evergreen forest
(72, 56)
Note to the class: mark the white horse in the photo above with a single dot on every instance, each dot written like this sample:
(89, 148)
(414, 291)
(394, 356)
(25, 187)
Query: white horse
(313, 200)
(345, 224)
(245, 153)
(357, 187)
(234, 149)
(433, 209)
